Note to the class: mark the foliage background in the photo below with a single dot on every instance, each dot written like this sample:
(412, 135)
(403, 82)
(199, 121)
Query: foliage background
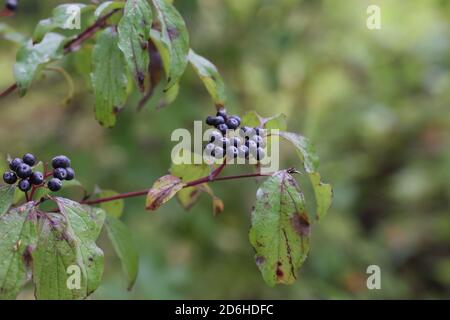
(375, 103)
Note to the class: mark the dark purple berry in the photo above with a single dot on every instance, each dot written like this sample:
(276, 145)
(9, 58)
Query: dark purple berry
(251, 145)
(37, 178)
(210, 121)
(215, 135)
(24, 185)
(232, 152)
(232, 123)
(60, 173)
(219, 120)
(218, 153)
(9, 177)
(260, 141)
(209, 149)
(236, 141)
(60, 162)
(29, 159)
(24, 171)
(70, 174)
(11, 5)
(222, 128)
(54, 184)
(224, 142)
(243, 152)
(14, 164)
(260, 154)
(222, 113)
(245, 132)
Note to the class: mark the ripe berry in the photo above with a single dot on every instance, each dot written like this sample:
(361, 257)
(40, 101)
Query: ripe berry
(233, 123)
(223, 142)
(23, 171)
(236, 141)
(60, 173)
(246, 132)
(215, 135)
(210, 121)
(29, 159)
(232, 152)
(14, 164)
(37, 178)
(60, 162)
(70, 174)
(243, 152)
(54, 184)
(251, 145)
(260, 141)
(11, 5)
(260, 154)
(209, 149)
(24, 185)
(219, 120)
(9, 177)
(259, 131)
(222, 128)
(217, 153)
(222, 113)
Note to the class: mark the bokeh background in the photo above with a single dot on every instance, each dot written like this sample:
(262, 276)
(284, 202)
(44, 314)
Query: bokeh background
(375, 103)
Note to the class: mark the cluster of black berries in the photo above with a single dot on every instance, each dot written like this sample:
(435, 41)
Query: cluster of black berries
(224, 142)
(61, 171)
(23, 169)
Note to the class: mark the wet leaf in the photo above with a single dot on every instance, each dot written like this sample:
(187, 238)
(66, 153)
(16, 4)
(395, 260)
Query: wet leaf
(109, 78)
(280, 229)
(6, 198)
(124, 246)
(67, 243)
(210, 76)
(162, 191)
(175, 38)
(18, 237)
(31, 59)
(134, 33)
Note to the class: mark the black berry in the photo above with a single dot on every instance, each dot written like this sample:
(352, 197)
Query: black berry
(11, 5)
(251, 145)
(222, 113)
(9, 177)
(259, 131)
(23, 171)
(218, 152)
(236, 141)
(243, 152)
(232, 152)
(60, 173)
(24, 185)
(60, 162)
(222, 128)
(219, 120)
(224, 142)
(14, 164)
(214, 136)
(232, 123)
(260, 154)
(37, 178)
(209, 149)
(54, 184)
(210, 121)
(260, 142)
(245, 132)
(29, 159)
(70, 174)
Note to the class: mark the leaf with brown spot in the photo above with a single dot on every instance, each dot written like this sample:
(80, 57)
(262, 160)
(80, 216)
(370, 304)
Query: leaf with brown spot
(280, 229)
(163, 190)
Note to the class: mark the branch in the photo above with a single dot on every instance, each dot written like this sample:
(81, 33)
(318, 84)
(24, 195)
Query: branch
(73, 44)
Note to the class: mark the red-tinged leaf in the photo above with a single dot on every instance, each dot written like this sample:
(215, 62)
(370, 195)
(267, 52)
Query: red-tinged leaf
(162, 191)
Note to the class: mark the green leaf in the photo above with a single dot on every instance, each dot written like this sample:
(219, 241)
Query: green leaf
(323, 193)
(305, 149)
(67, 240)
(251, 119)
(60, 15)
(18, 235)
(123, 244)
(109, 78)
(280, 229)
(162, 191)
(32, 58)
(175, 38)
(6, 198)
(108, 6)
(210, 76)
(134, 33)
(187, 172)
(113, 208)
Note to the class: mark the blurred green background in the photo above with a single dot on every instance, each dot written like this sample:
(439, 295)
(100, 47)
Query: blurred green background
(375, 103)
